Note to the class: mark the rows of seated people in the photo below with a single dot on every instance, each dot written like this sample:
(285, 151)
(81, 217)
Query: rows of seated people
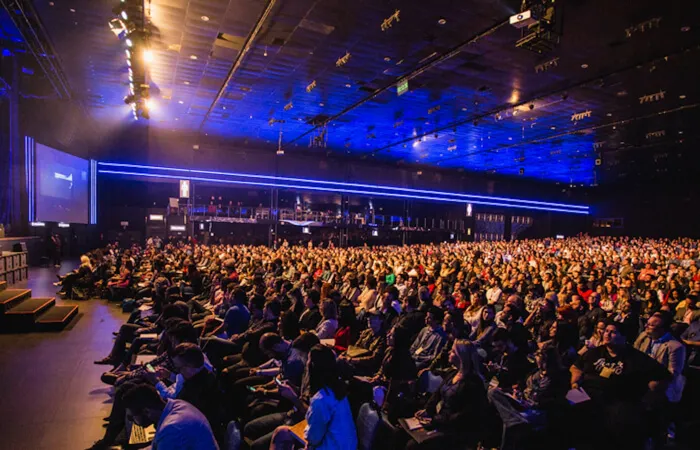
(576, 343)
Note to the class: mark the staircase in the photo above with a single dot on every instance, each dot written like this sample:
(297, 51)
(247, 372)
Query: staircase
(20, 312)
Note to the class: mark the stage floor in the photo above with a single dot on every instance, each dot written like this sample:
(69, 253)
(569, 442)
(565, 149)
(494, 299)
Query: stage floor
(51, 396)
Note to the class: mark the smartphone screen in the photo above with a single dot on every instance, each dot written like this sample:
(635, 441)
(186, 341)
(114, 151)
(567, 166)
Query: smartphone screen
(150, 368)
(250, 388)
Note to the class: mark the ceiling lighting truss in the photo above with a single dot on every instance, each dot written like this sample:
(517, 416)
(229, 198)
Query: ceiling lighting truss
(655, 97)
(389, 21)
(642, 26)
(131, 25)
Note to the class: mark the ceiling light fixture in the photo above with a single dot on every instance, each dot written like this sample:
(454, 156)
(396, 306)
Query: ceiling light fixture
(129, 43)
(148, 56)
(186, 82)
(205, 18)
(387, 59)
(181, 102)
(682, 96)
(348, 85)
(584, 66)
(193, 57)
(442, 22)
(124, 16)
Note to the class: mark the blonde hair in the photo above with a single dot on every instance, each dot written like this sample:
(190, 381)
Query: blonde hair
(84, 260)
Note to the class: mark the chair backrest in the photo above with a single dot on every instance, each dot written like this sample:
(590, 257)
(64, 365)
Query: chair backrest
(233, 436)
(367, 423)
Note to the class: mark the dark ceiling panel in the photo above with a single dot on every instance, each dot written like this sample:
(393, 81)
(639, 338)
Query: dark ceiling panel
(470, 112)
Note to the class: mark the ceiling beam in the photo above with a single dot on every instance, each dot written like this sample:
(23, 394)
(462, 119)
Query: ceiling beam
(239, 59)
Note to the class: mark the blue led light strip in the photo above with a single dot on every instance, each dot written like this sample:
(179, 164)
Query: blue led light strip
(93, 192)
(343, 190)
(29, 175)
(466, 197)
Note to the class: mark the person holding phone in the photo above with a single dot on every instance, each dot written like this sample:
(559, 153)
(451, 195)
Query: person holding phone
(456, 410)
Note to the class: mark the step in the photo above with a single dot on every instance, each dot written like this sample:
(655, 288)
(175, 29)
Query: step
(10, 298)
(56, 318)
(3, 285)
(21, 318)
(32, 307)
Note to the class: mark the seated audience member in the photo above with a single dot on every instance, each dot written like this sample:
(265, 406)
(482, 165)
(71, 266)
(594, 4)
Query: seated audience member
(687, 311)
(366, 355)
(508, 364)
(346, 326)
(616, 376)
(595, 340)
(179, 425)
(484, 331)
(81, 276)
(658, 342)
(398, 371)
(529, 404)
(691, 338)
(128, 332)
(263, 319)
(330, 424)
(456, 410)
(237, 317)
(311, 316)
(177, 331)
(593, 314)
(329, 320)
(629, 320)
(411, 318)
(430, 340)
(196, 383)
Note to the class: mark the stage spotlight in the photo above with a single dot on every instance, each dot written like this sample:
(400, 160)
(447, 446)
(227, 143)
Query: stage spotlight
(148, 103)
(129, 43)
(124, 16)
(148, 56)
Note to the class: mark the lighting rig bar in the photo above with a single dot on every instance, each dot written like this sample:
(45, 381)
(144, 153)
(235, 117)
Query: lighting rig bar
(333, 186)
(131, 26)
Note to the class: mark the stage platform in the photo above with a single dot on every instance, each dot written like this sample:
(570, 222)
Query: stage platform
(35, 246)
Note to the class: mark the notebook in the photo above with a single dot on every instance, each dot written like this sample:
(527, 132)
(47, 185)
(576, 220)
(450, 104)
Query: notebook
(141, 435)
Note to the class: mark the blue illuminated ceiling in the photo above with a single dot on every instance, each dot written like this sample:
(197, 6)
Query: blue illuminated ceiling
(486, 109)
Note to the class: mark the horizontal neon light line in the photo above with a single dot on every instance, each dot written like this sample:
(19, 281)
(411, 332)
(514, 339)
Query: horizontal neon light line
(354, 185)
(349, 191)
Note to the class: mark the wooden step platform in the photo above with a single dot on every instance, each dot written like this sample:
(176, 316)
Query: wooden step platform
(10, 298)
(56, 318)
(3, 285)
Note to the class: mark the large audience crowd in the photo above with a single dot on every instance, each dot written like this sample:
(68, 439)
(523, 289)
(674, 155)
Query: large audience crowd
(564, 343)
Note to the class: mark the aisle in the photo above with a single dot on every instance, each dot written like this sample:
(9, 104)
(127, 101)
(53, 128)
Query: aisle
(51, 396)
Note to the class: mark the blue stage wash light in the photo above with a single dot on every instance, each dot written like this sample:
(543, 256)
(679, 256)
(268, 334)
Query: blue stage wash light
(466, 197)
(343, 190)
(93, 192)
(29, 147)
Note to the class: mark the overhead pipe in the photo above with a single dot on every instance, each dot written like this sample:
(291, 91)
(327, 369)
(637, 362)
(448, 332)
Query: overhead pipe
(425, 67)
(239, 59)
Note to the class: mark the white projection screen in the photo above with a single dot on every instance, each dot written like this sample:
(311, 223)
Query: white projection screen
(61, 186)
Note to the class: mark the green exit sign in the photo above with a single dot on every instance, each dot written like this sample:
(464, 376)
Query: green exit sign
(402, 87)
